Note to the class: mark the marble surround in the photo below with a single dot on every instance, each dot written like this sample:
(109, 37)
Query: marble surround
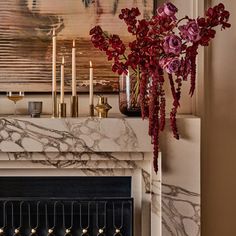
(165, 204)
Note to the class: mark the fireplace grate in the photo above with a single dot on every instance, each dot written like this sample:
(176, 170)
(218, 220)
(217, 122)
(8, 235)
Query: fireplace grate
(70, 217)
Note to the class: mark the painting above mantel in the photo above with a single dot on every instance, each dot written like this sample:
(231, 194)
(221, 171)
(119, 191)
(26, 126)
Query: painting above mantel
(26, 45)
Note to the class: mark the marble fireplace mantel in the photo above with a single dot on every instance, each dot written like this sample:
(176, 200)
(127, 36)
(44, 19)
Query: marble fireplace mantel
(165, 204)
(73, 135)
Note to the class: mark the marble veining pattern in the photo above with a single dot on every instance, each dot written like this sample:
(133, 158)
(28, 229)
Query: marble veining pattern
(99, 136)
(83, 160)
(25, 136)
(180, 211)
(101, 147)
(70, 135)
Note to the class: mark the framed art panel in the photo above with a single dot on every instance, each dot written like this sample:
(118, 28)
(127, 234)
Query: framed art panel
(26, 45)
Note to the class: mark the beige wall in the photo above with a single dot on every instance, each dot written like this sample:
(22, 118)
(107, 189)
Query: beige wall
(219, 130)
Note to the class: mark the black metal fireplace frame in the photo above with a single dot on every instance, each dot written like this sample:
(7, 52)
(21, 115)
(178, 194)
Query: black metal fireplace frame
(16, 229)
(24, 193)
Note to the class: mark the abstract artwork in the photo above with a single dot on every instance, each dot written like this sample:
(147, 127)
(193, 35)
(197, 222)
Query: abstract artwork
(26, 46)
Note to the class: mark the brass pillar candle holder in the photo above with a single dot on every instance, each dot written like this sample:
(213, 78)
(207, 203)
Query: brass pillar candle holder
(102, 107)
(91, 110)
(74, 106)
(62, 110)
(54, 104)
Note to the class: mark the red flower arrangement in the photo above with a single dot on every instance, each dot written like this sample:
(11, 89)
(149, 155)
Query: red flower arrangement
(161, 44)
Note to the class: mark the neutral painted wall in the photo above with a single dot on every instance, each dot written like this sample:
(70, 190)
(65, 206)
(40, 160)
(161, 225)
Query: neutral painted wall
(219, 134)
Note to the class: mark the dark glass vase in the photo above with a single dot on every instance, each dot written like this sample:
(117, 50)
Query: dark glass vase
(129, 95)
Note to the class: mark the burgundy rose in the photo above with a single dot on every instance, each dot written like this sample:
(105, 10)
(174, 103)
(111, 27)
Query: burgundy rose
(171, 64)
(191, 31)
(170, 9)
(172, 44)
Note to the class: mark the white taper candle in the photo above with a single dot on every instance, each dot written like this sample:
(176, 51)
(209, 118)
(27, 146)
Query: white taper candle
(54, 61)
(73, 69)
(90, 83)
(62, 80)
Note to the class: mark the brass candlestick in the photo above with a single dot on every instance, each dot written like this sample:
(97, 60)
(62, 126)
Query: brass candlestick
(74, 106)
(62, 110)
(54, 104)
(91, 110)
(102, 107)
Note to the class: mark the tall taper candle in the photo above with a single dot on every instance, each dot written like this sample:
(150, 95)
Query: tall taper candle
(73, 69)
(54, 77)
(90, 83)
(62, 80)
(54, 61)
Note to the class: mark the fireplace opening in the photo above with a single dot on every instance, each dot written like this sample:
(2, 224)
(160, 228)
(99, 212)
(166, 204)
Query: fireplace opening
(66, 206)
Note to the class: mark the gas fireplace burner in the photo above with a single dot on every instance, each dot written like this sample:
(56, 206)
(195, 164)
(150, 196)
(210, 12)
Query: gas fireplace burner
(66, 217)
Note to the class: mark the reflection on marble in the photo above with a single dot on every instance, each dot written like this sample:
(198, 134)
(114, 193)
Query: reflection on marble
(180, 211)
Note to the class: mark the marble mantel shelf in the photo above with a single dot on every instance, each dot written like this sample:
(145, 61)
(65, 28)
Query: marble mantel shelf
(75, 135)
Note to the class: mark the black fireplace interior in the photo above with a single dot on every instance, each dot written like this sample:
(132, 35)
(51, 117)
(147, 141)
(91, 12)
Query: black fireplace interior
(72, 206)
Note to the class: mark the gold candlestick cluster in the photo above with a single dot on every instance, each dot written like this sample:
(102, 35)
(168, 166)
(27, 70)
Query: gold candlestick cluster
(59, 109)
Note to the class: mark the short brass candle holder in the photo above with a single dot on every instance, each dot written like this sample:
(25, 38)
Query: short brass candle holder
(62, 110)
(54, 104)
(74, 106)
(102, 107)
(91, 110)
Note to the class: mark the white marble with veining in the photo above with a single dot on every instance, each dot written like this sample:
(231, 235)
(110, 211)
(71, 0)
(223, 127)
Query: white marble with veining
(73, 135)
(166, 204)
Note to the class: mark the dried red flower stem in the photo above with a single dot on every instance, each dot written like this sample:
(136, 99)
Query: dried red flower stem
(162, 111)
(173, 91)
(160, 44)
(191, 54)
(154, 120)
